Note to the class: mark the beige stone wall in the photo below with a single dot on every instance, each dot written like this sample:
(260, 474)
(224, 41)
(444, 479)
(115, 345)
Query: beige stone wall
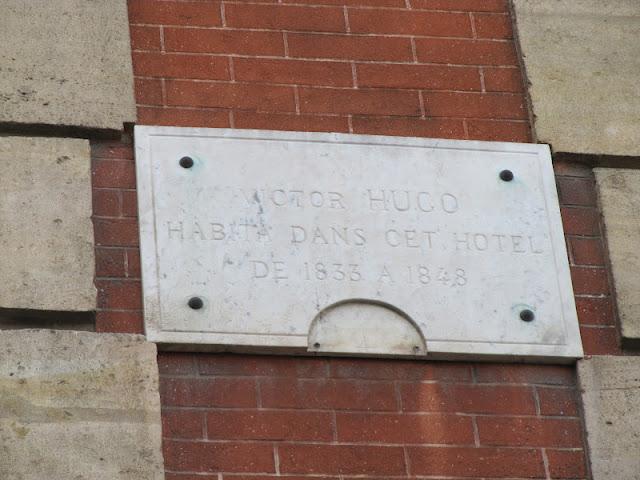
(611, 399)
(46, 240)
(66, 63)
(581, 59)
(619, 195)
(78, 405)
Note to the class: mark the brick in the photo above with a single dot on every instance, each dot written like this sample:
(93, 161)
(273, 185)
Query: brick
(145, 37)
(119, 322)
(148, 91)
(476, 462)
(228, 95)
(341, 459)
(285, 17)
(113, 174)
(525, 374)
(478, 105)
(381, 102)
(112, 232)
(595, 311)
(409, 126)
(270, 425)
(261, 365)
(589, 281)
(129, 203)
(115, 150)
(404, 429)
(429, 77)
(133, 263)
(327, 394)
(275, 121)
(353, 3)
(499, 131)
(466, 52)
(350, 47)
(576, 191)
(174, 65)
(580, 221)
(174, 363)
(182, 424)
(208, 392)
(296, 72)
(165, 12)
(569, 168)
(462, 5)
(195, 476)
(184, 117)
(503, 80)
(600, 340)
(213, 457)
(529, 432)
(489, 25)
(566, 464)
(557, 402)
(458, 398)
(110, 262)
(106, 203)
(408, 22)
(586, 251)
(120, 295)
(376, 369)
(265, 477)
(240, 42)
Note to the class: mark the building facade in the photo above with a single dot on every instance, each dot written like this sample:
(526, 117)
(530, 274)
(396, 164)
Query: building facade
(84, 395)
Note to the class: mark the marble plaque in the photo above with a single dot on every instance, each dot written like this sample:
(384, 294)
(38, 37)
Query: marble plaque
(352, 244)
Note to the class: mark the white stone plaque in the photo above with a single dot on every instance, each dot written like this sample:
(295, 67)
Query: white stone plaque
(351, 244)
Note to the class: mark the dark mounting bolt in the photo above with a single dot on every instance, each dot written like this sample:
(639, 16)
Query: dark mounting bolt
(186, 162)
(195, 303)
(506, 175)
(316, 345)
(527, 315)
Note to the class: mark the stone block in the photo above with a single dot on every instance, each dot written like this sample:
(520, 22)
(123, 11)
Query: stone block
(79, 405)
(46, 239)
(619, 196)
(66, 63)
(611, 398)
(581, 58)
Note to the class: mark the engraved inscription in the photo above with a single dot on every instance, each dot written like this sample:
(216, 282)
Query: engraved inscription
(329, 265)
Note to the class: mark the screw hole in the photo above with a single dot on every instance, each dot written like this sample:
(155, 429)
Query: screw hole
(195, 303)
(186, 162)
(506, 175)
(316, 345)
(527, 316)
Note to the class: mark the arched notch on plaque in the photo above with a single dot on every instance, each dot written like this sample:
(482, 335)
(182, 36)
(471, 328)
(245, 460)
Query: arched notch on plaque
(365, 327)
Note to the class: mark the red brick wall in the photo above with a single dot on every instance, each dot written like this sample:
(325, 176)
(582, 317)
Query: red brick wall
(438, 68)
(292, 417)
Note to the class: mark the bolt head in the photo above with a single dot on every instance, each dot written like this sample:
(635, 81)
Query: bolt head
(186, 162)
(506, 175)
(195, 303)
(527, 315)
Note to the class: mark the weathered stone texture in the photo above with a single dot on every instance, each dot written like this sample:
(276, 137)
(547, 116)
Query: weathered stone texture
(611, 398)
(46, 234)
(581, 57)
(619, 194)
(66, 62)
(78, 405)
